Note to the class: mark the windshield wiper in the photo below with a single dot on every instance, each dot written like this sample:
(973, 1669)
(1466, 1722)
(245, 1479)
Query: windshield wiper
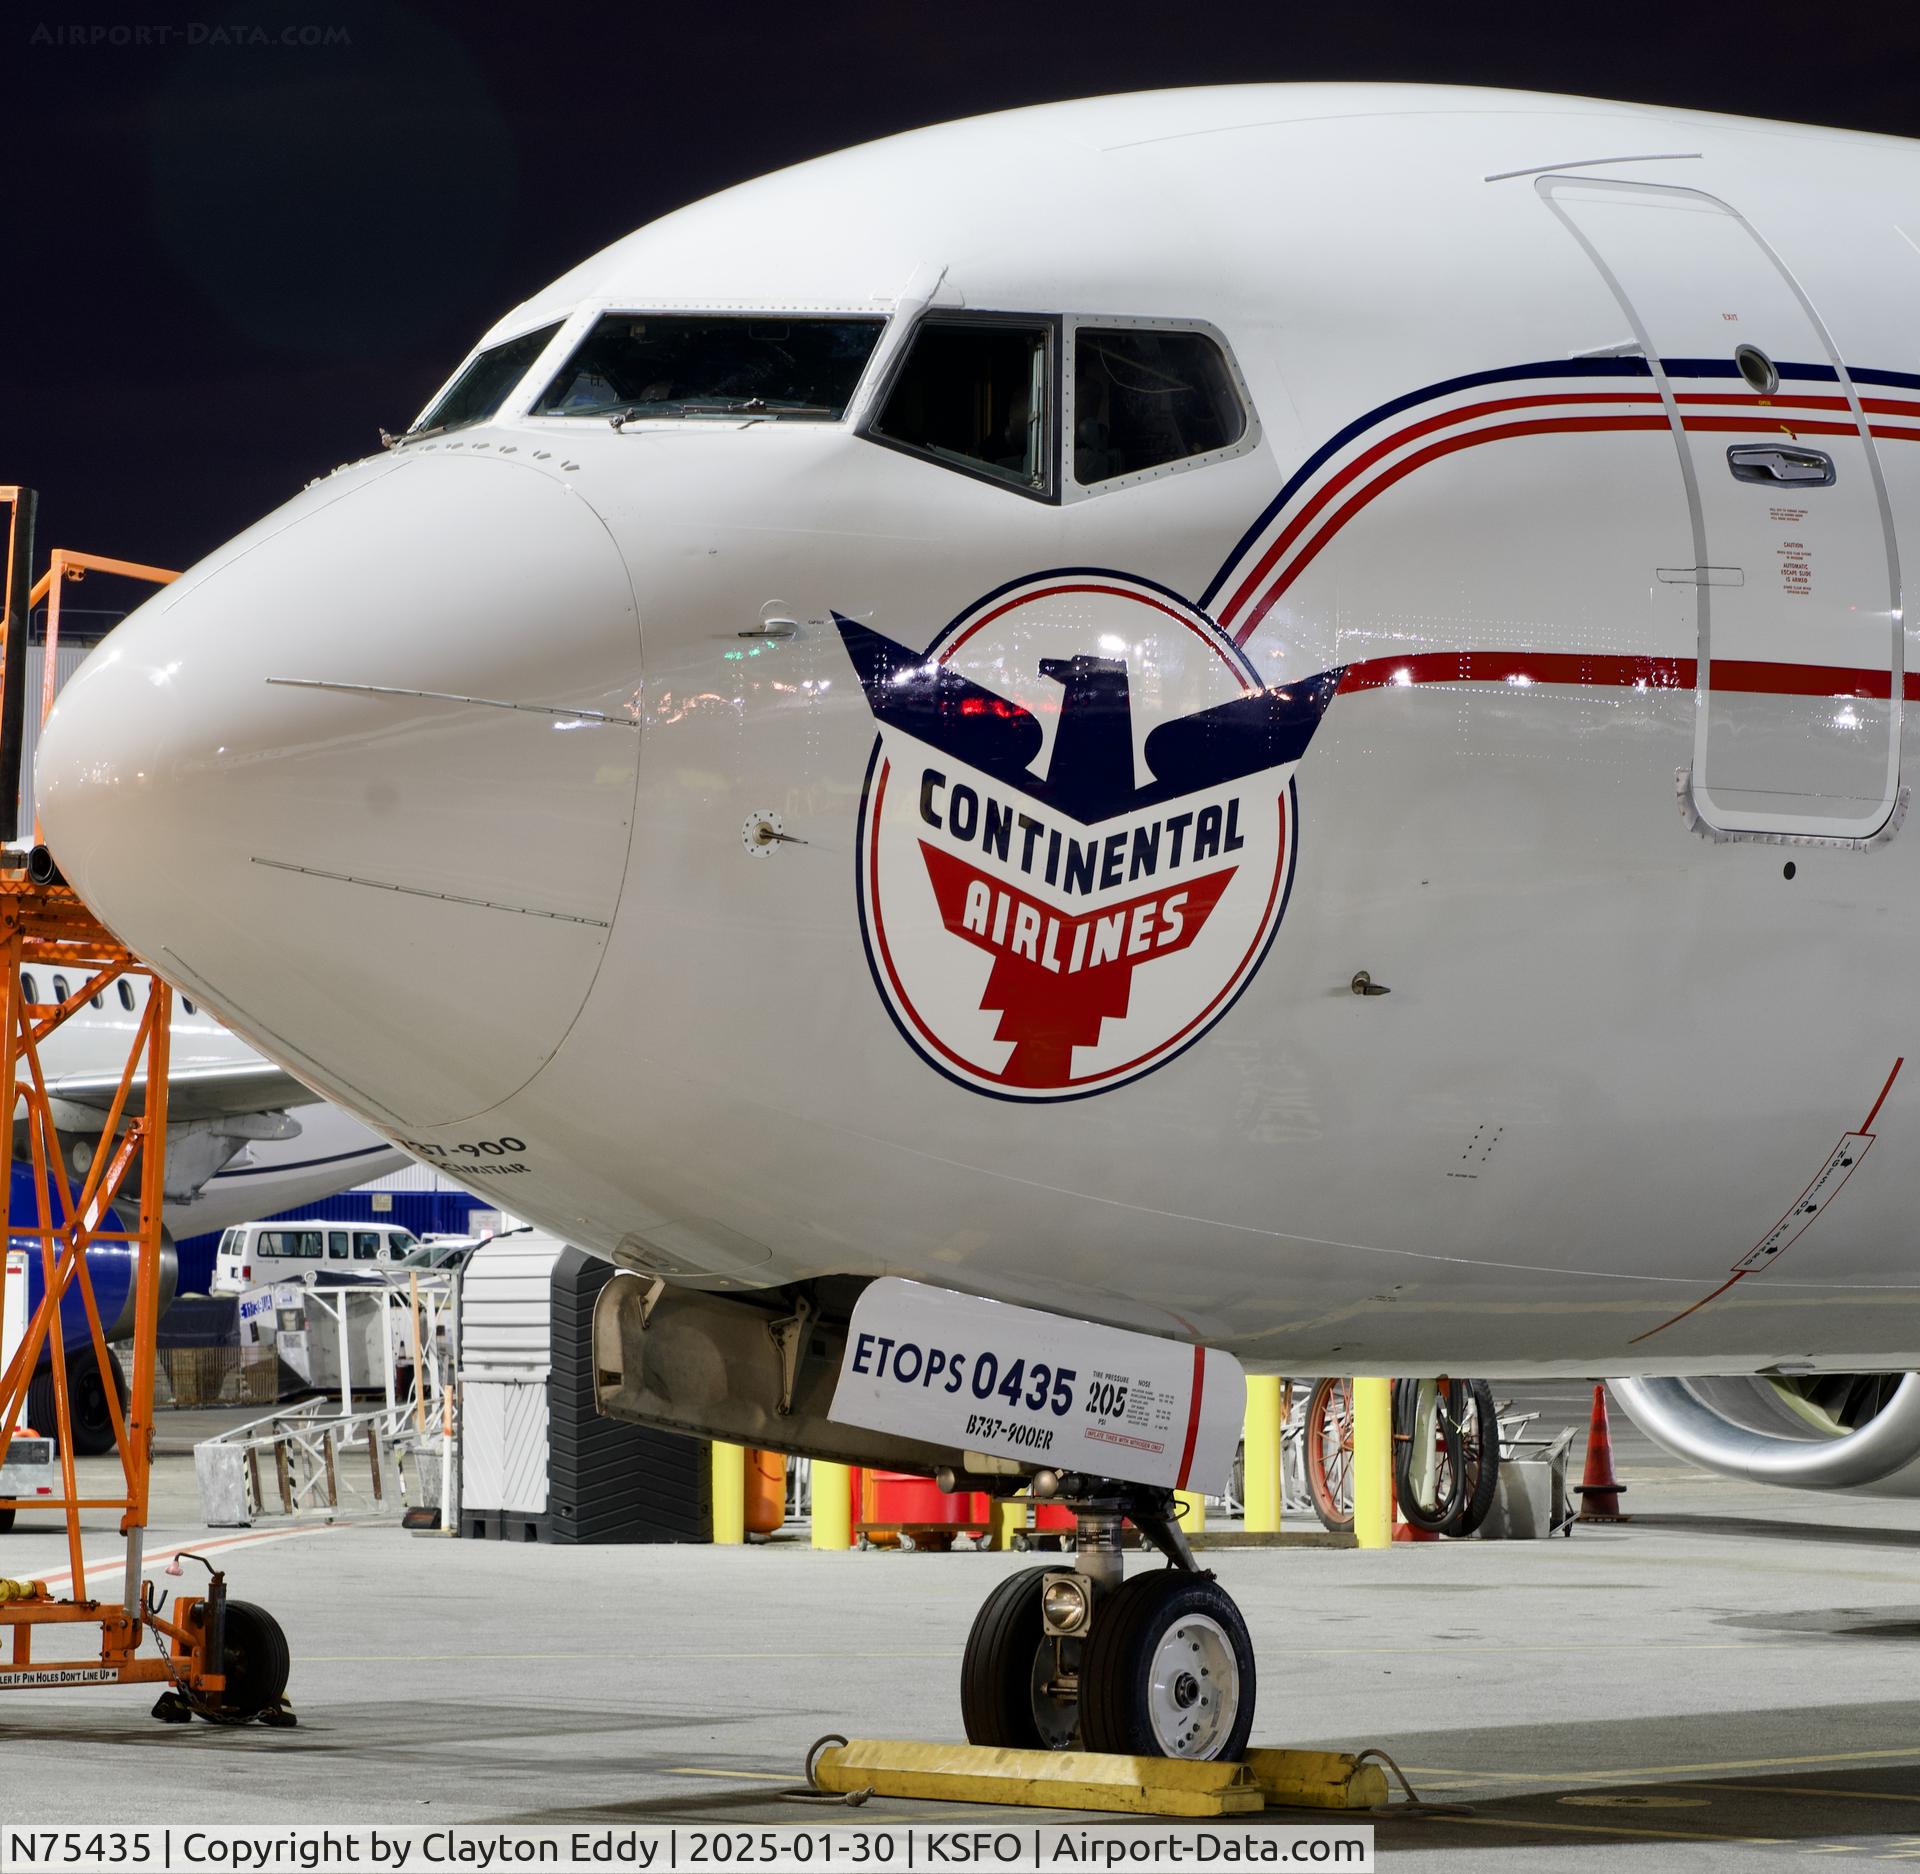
(409, 435)
(698, 406)
(686, 406)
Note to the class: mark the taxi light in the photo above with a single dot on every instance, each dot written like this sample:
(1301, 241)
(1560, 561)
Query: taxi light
(1065, 1605)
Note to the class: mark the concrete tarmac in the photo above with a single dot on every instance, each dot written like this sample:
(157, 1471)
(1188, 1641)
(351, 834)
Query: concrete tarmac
(1728, 1680)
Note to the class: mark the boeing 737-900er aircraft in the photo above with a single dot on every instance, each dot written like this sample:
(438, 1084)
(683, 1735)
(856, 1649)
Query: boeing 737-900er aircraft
(244, 1139)
(1022, 765)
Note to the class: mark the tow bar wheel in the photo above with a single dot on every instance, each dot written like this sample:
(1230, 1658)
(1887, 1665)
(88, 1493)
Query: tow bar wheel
(257, 1666)
(1169, 1671)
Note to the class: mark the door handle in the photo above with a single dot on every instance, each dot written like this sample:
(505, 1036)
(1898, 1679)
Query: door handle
(1780, 465)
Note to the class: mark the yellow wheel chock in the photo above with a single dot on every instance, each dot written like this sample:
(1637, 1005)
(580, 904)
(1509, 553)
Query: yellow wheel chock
(1084, 1779)
(1317, 1779)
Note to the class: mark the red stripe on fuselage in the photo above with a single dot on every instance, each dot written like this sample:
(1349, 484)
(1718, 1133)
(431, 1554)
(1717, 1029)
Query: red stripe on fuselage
(1770, 416)
(1580, 669)
(1866, 1125)
(1433, 452)
(1446, 419)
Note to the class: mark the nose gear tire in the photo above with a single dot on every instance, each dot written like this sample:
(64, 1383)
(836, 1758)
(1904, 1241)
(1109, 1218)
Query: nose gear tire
(1168, 1671)
(1008, 1661)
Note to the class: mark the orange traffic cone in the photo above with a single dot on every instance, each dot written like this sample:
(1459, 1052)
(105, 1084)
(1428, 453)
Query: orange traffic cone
(1599, 1488)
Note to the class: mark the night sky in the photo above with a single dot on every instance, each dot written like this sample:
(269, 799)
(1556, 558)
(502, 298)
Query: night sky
(231, 259)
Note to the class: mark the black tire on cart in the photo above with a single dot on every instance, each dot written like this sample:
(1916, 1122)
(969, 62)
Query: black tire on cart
(40, 1407)
(1008, 1663)
(1480, 1455)
(1441, 1514)
(86, 1402)
(92, 1417)
(1168, 1670)
(6, 1520)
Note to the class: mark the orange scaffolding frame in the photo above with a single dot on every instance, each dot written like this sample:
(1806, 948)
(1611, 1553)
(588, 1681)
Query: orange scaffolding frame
(43, 922)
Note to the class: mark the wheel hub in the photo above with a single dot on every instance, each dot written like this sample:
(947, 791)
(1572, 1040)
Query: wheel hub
(1193, 1687)
(1054, 1689)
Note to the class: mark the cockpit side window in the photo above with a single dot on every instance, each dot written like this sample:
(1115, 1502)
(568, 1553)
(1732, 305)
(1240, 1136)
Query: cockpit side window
(977, 393)
(482, 387)
(1144, 397)
(641, 366)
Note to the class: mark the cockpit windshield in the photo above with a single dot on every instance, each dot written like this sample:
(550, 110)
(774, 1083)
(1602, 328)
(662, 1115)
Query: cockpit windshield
(482, 387)
(645, 365)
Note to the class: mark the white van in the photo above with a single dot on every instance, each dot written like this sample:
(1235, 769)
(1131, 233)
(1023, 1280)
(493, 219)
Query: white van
(251, 1255)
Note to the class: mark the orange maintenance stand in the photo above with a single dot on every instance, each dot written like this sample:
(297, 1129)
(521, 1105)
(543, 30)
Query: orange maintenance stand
(221, 1659)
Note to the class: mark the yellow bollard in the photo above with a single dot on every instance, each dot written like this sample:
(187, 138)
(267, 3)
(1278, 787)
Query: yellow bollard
(1009, 1515)
(832, 1505)
(1265, 1418)
(729, 1492)
(1373, 1463)
(1193, 1511)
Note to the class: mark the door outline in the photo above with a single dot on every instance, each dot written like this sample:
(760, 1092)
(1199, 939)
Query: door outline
(1751, 823)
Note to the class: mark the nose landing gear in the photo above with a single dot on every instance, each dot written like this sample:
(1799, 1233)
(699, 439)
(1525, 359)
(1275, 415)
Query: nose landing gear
(1157, 1666)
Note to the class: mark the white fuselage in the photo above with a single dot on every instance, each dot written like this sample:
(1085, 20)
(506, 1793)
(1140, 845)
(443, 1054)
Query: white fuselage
(1604, 788)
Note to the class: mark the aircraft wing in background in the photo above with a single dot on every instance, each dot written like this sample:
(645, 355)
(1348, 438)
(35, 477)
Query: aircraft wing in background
(215, 1090)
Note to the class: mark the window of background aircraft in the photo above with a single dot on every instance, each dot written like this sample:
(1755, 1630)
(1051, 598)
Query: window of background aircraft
(1142, 398)
(29, 989)
(96, 999)
(126, 994)
(60, 989)
(188, 1006)
(977, 393)
(482, 387)
(655, 365)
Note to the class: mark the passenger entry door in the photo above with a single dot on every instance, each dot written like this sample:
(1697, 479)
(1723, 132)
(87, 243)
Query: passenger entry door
(1795, 586)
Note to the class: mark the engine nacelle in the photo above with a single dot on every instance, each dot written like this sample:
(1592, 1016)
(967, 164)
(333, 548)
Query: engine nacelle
(1817, 1431)
(110, 1268)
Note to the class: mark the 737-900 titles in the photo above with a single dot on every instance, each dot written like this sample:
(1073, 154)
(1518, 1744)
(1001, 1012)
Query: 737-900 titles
(474, 1156)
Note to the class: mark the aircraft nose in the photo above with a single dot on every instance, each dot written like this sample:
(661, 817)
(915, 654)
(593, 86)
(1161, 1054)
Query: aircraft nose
(367, 777)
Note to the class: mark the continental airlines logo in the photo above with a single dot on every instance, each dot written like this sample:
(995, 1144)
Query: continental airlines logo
(1077, 833)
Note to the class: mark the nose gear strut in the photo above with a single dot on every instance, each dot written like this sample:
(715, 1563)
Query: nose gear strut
(1159, 1665)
